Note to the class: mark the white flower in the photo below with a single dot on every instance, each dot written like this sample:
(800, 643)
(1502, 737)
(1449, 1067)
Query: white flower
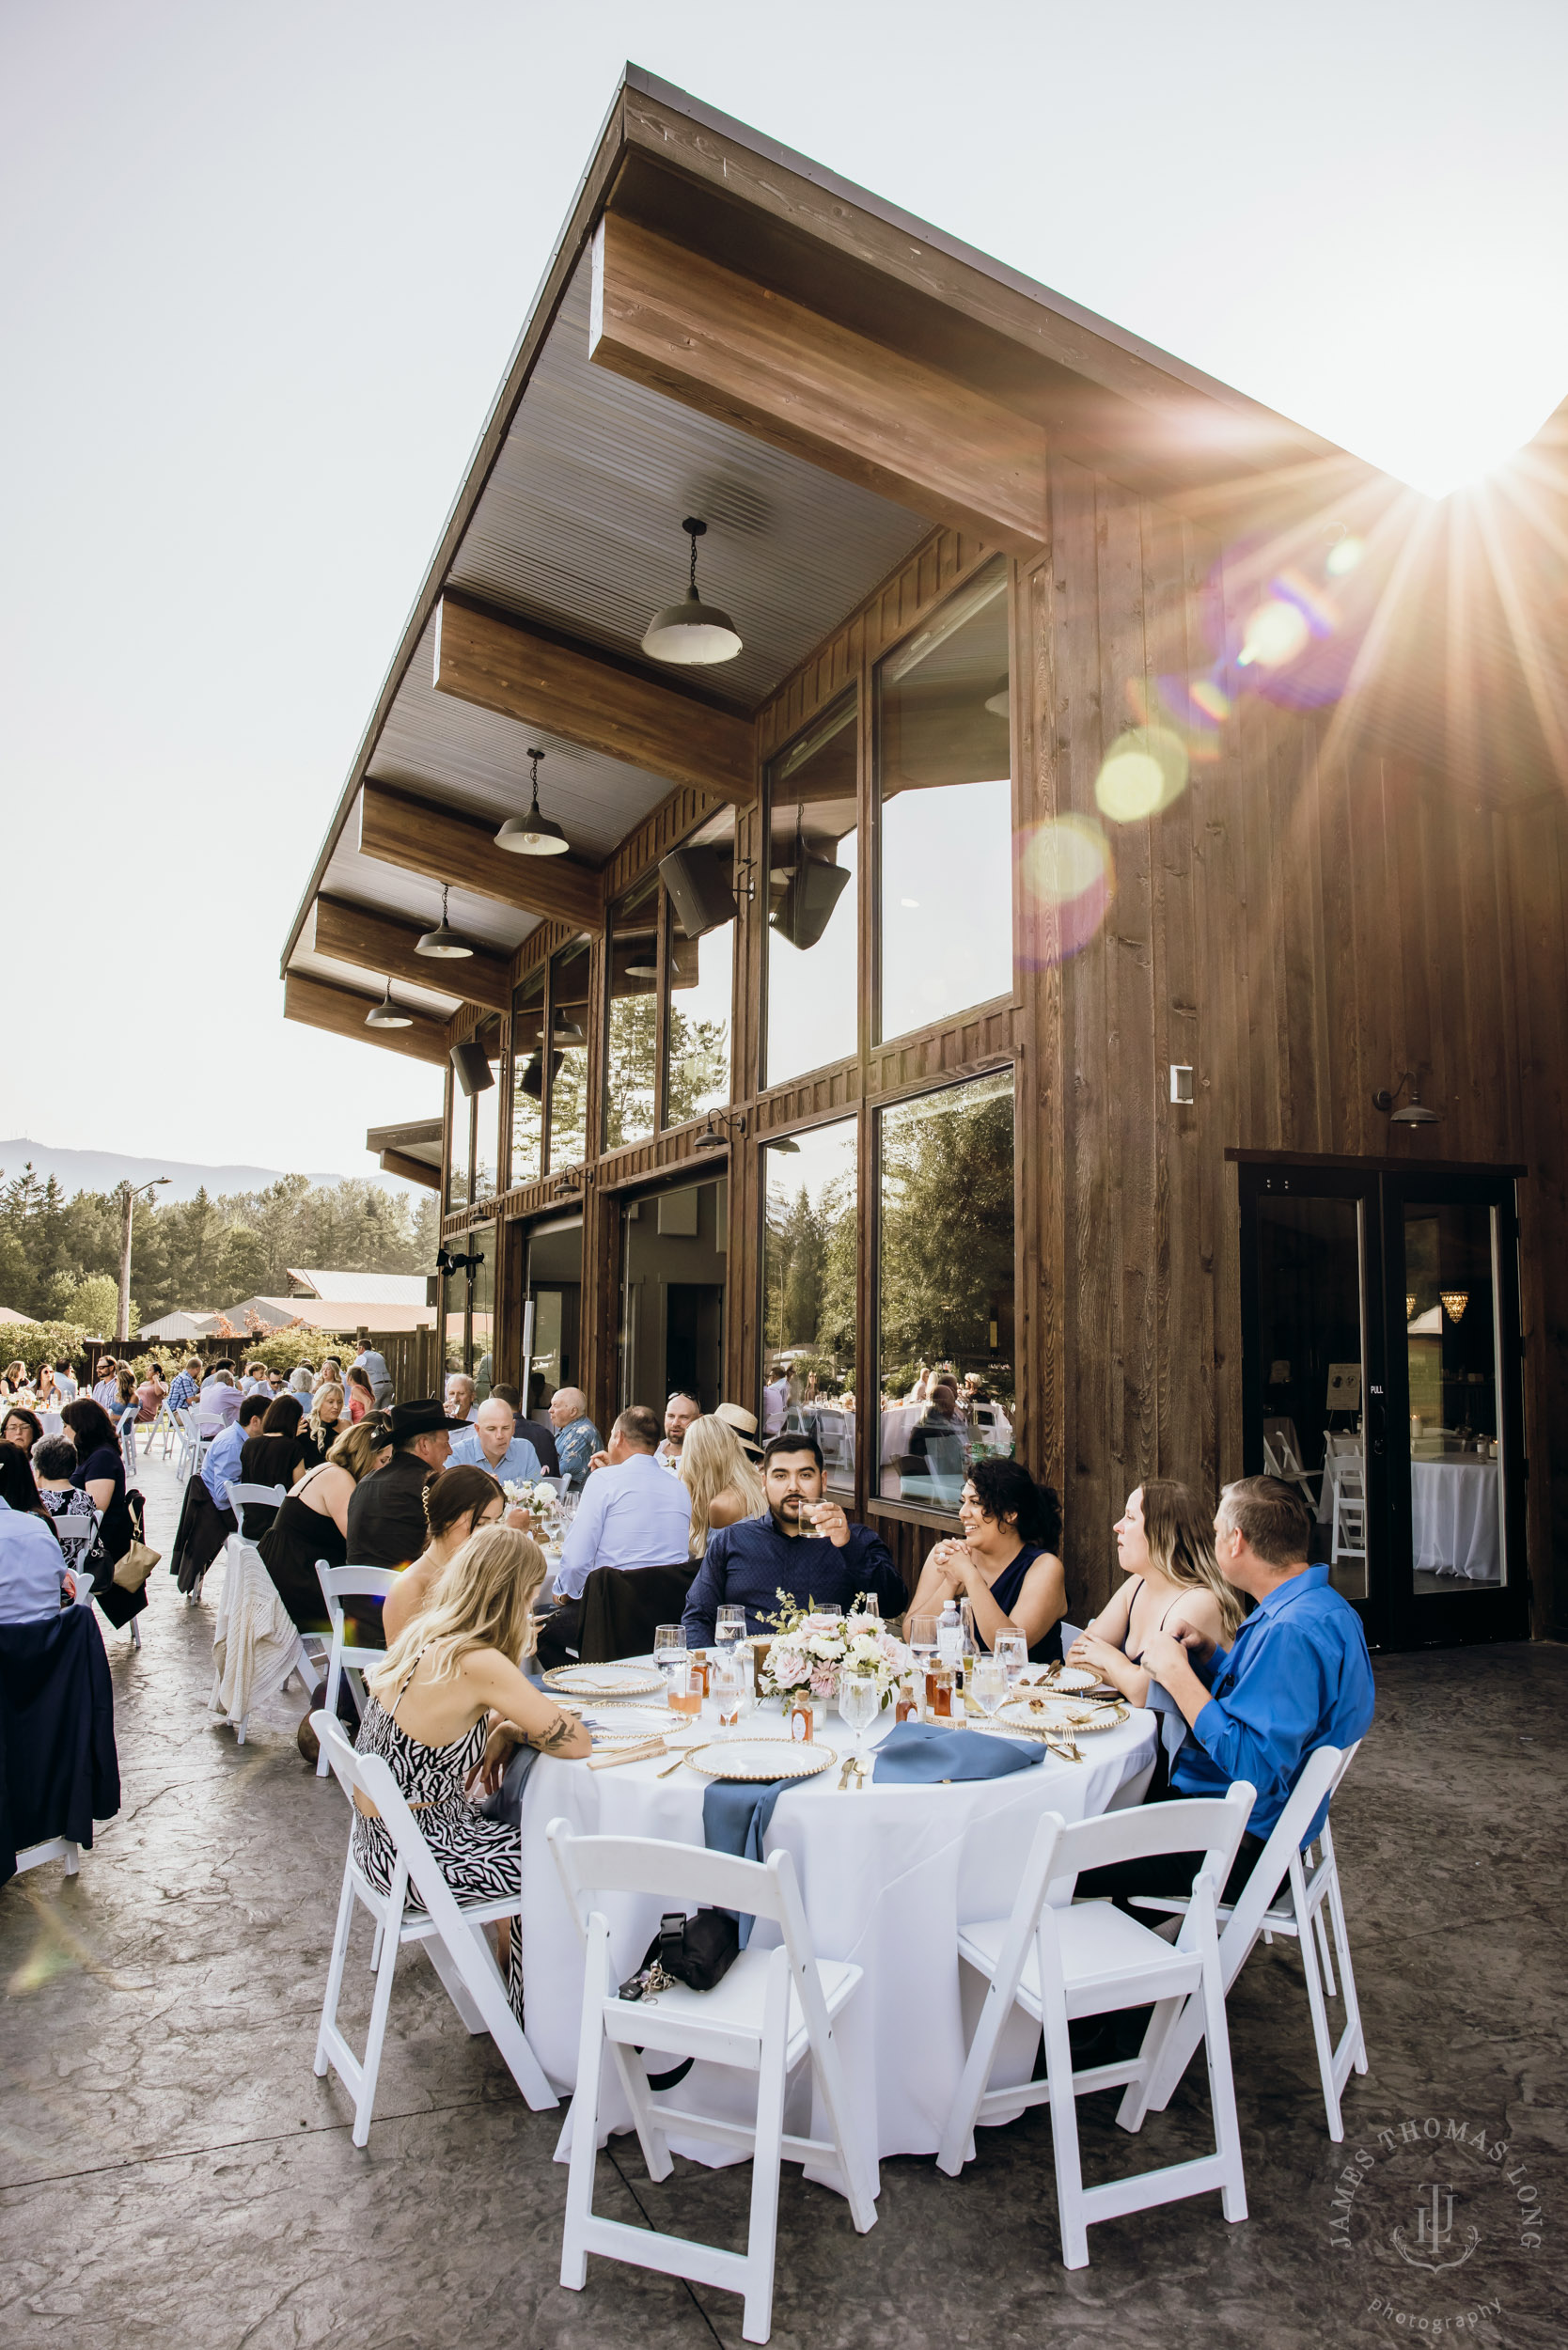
(828, 1645)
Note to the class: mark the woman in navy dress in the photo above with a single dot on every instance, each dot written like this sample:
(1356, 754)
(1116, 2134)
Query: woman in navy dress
(1006, 1565)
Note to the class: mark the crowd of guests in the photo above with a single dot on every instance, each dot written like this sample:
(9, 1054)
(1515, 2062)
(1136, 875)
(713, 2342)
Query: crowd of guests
(1220, 1620)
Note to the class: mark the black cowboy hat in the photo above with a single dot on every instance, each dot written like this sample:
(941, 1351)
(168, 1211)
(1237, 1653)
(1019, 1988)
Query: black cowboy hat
(422, 1418)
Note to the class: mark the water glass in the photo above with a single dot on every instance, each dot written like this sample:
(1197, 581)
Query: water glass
(859, 1701)
(728, 1629)
(1010, 1649)
(988, 1683)
(726, 1687)
(669, 1652)
(866, 1605)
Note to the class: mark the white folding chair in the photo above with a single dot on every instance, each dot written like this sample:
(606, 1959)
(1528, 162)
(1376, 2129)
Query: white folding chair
(1087, 1958)
(339, 1584)
(771, 2011)
(1350, 1514)
(194, 1438)
(1280, 1438)
(162, 1424)
(79, 1529)
(1286, 1893)
(259, 1496)
(127, 1425)
(451, 1932)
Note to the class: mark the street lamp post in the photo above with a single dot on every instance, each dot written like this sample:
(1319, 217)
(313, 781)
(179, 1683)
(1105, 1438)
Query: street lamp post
(130, 1193)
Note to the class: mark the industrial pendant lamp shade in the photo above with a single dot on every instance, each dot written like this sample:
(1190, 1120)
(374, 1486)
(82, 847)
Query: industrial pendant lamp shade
(532, 834)
(388, 1013)
(1411, 1113)
(443, 942)
(691, 634)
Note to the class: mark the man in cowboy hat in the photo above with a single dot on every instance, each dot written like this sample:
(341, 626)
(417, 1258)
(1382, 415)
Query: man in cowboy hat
(386, 1509)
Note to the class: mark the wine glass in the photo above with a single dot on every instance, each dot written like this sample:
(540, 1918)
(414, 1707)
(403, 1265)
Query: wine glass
(728, 1688)
(1010, 1649)
(858, 1702)
(728, 1629)
(988, 1683)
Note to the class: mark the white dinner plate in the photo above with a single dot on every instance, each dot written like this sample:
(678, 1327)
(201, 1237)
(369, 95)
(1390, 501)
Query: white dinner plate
(1070, 1679)
(760, 1759)
(606, 1681)
(1069, 1716)
(626, 1722)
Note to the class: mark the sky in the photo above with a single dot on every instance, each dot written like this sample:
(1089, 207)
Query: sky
(261, 267)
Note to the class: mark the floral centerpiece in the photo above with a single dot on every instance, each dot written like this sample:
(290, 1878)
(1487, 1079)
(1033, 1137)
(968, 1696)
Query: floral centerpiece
(811, 1651)
(540, 1500)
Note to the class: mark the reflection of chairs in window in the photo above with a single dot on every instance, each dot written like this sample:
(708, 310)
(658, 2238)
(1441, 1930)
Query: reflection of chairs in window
(1350, 1513)
(1341, 1452)
(833, 1435)
(1282, 1458)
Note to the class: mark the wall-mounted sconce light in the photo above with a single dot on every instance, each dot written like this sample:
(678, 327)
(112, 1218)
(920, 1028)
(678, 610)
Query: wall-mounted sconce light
(1454, 1303)
(1411, 1113)
(721, 1127)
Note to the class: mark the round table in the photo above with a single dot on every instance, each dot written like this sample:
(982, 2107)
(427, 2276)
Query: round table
(887, 1877)
(1454, 1518)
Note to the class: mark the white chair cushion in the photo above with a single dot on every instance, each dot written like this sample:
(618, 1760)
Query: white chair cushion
(1108, 1960)
(734, 2005)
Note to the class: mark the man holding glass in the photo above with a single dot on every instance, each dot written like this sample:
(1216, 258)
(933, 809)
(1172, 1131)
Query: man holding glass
(805, 1546)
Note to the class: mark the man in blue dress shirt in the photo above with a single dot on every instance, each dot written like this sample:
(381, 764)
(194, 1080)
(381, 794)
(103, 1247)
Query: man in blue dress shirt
(1297, 1678)
(221, 1469)
(491, 1442)
(805, 1546)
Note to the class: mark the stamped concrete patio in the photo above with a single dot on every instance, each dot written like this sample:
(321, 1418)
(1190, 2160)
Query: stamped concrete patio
(175, 2174)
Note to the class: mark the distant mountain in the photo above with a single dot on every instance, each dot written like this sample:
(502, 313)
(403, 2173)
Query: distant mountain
(101, 1170)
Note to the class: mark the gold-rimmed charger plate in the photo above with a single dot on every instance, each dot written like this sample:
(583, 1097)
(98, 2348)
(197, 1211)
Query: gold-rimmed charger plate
(760, 1759)
(1042, 1715)
(1068, 1679)
(597, 1683)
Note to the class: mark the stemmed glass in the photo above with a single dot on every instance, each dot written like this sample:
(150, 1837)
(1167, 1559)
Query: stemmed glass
(728, 1630)
(1012, 1651)
(859, 1701)
(669, 1654)
(988, 1683)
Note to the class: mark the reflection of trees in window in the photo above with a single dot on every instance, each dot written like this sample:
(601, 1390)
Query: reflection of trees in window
(631, 1058)
(698, 1064)
(947, 1236)
(808, 1263)
(528, 1078)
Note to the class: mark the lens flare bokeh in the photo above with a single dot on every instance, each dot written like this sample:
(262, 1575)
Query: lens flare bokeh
(1066, 884)
(1143, 771)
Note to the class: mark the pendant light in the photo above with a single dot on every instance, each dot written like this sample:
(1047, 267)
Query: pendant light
(532, 834)
(566, 1032)
(443, 942)
(692, 634)
(388, 1013)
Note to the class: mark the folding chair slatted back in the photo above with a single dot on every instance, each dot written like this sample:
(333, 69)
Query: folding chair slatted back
(343, 1656)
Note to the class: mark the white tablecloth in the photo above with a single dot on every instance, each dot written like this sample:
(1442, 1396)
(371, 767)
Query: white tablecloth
(1453, 1512)
(887, 1877)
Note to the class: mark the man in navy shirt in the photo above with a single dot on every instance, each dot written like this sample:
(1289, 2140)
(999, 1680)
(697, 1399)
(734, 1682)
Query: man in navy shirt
(1298, 1677)
(805, 1546)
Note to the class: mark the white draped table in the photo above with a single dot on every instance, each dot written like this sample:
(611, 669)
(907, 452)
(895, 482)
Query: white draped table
(1453, 1513)
(887, 1877)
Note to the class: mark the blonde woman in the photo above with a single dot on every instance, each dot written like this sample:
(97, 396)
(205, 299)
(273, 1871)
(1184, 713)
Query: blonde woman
(1165, 1547)
(454, 1667)
(326, 1416)
(722, 1482)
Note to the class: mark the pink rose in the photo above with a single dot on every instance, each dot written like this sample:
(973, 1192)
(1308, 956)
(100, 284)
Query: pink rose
(787, 1667)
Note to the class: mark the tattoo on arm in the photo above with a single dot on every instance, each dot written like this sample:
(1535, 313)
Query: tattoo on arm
(561, 1733)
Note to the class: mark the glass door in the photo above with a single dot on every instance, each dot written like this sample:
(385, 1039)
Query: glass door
(1380, 1354)
(1456, 1488)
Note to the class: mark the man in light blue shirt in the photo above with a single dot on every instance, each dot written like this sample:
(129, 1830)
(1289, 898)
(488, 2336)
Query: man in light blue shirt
(632, 1513)
(221, 1469)
(576, 1438)
(33, 1570)
(491, 1442)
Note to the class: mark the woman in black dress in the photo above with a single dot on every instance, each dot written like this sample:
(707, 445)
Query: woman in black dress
(1006, 1566)
(280, 1455)
(313, 1524)
(99, 1474)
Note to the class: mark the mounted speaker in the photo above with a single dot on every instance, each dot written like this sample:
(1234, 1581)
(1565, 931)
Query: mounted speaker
(701, 886)
(813, 889)
(471, 1063)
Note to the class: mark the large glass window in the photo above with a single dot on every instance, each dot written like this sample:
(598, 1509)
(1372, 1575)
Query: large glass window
(632, 1039)
(461, 1118)
(701, 981)
(481, 1313)
(947, 1381)
(569, 1056)
(488, 1108)
(812, 995)
(944, 769)
(527, 1079)
(1452, 1352)
(809, 1292)
(673, 1272)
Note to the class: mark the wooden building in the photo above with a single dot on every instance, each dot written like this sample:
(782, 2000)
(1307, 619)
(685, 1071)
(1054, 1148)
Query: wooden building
(1024, 954)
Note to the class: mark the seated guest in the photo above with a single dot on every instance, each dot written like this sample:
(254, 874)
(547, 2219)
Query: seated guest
(47, 1394)
(278, 1455)
(105, 1389)
(54, 1464)
(300, 1379)
(576, 1438)
(99, 1471)
(150, 1392)
(744, 1425)
(722, 1482)
(326, 1422)
(1173, 1584)
(493, 1443)
(457, 1665)
(680, 1411)
(22, 1428)
(805, 1546)
(184, 1386)
(15, 1380)
(387, 1517)
(535, 1431)
(459, 1395)
(221, 1467)
(1296, 1678)
(457, 1504)
(311, 1523)
(632, 1513)
(218, 1400)
(1006, 1565)
(126, 1400)
(35, 1578)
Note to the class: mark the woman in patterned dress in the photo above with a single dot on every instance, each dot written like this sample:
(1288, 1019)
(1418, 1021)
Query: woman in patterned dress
(448, 1704)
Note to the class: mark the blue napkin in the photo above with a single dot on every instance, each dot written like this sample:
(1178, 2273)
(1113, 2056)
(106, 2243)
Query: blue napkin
(924, 1752)
(735, 1817)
